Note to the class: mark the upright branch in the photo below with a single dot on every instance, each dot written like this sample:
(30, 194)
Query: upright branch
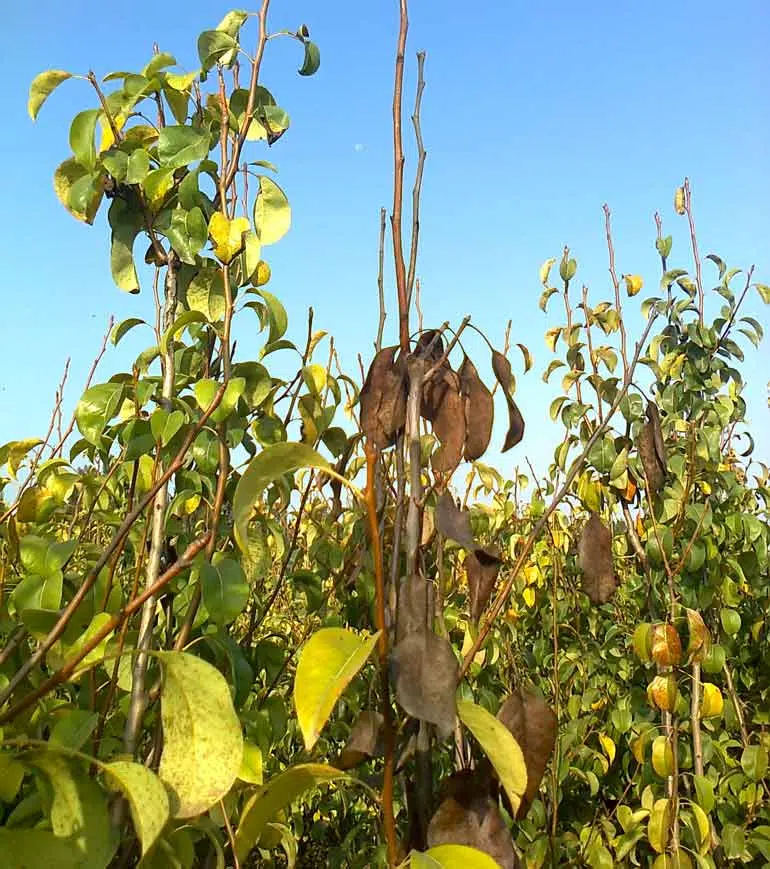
(616, 285)
(417, 189)
(398, 183)
(694, 242)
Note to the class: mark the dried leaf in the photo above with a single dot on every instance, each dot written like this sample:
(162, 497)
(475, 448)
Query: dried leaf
(534, 727)
(412, 605)
(425, 671)
(595, 556)
(469, 816)
(383, 399)
(453, 522)
(481, 568)
(652, 450)
(479, 409)
(502, 368)
(430, 346)
(443, 406)
(365, 740)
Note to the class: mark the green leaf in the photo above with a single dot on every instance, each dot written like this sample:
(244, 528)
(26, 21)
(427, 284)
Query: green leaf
(232, 22)
(277, 320)
(96, 408)
(327, 663)
(499, 746)
(178, 326)
(76, 191)
(78, 809)
(43, 85)
(73, 728)
(312, 59)
(23, 849)
(215, 46)
(754, 762)
(156, 185)
(764, 292)
(146, 796)
(206, 293)
(225, 590)
(159, 61)
(272, 212)
(82, 133)
(271, 464)
(704, 791)
(123, 328)
(451, 857)
(279, 793)
(202, 739)
(125, 228)
(187, 233)
(181, 145)
(206, 389)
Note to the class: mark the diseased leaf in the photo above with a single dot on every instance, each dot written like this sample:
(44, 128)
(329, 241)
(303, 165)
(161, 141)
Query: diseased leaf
(383, 399)
(327, 663)
(595, 557)
(479, 408)
(534, 727)
(652, 450)
(444, 407)
(481, 568)
(502, 369)
(365, 740)
(78, 190)
(279, 793)
(412, 605)
(425, 672)
(146, 796)
(202, 739)
(453, 522)
(468, 815)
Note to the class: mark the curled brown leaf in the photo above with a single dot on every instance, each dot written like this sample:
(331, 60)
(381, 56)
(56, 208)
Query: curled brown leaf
(502, 369)
(652, 450)
(383, 399)
(479, 407)
(365, 740)
(595, 557)
(481, 568)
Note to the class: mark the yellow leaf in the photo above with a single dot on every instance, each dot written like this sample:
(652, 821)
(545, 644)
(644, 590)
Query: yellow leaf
(662, 756)
(634, 283)
(608, 746)
(679, 200)
(227, 235)
(262, 275)
(529, 596)
(712, 703)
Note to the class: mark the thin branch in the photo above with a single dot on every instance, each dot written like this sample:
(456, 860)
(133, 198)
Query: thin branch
(381, 280)
(616, 285)
(398, 183)
(417, 189)
(695, 254)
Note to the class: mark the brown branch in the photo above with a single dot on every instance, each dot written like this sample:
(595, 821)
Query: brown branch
(389, 820)
(64, 672)
(398, 183)
(736, 705)
(381, 281)
(417, 189)
(616, 285)
(694, 242)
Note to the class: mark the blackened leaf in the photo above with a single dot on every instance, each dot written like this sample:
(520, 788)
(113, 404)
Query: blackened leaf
(442, 405)
(479, 409)
(469, 816)
(595, 555)
(365, 740)
(534, 727)
(502, 368)
(453, 522)
(425, 674)
(412, 605)
(383, 399)
(481, 567)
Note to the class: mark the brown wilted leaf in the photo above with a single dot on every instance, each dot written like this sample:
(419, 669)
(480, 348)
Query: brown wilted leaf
(534, 727)
(453, 522)
(383, 399)
(481, 568)
(442, 405)
(479, 409)
(652, 450)
(595, 557)
(424, 672)
(430, 346)
(412, 605)
(365, 740)
(502, 368)
(469, 816)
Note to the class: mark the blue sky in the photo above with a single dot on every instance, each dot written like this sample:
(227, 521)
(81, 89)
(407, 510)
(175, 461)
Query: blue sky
(534, 115)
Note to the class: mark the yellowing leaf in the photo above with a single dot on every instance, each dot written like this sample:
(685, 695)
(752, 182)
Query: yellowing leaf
(608, 746)
(712, 702)
(41, 88)
(202, 739)
(529, 596)
(451, 857)
(272, 212)
(262, 274)
(658, 827)
(147, 798)
(327, 663)
(277, 794)
(227, 235)
(503, 751)
(662, 756)
(634, 283)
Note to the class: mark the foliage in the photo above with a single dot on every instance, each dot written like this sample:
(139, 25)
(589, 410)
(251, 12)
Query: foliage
(207, 621)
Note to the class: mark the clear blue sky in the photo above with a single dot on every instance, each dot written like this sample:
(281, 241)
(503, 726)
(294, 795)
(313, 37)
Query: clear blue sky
(534, 115)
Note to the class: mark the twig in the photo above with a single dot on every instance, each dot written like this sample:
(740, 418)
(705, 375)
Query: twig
(381, 281)
(416, 190)
(695, 254)
(398, 183)
(616, 285)
(389, 820)
(736, 705)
